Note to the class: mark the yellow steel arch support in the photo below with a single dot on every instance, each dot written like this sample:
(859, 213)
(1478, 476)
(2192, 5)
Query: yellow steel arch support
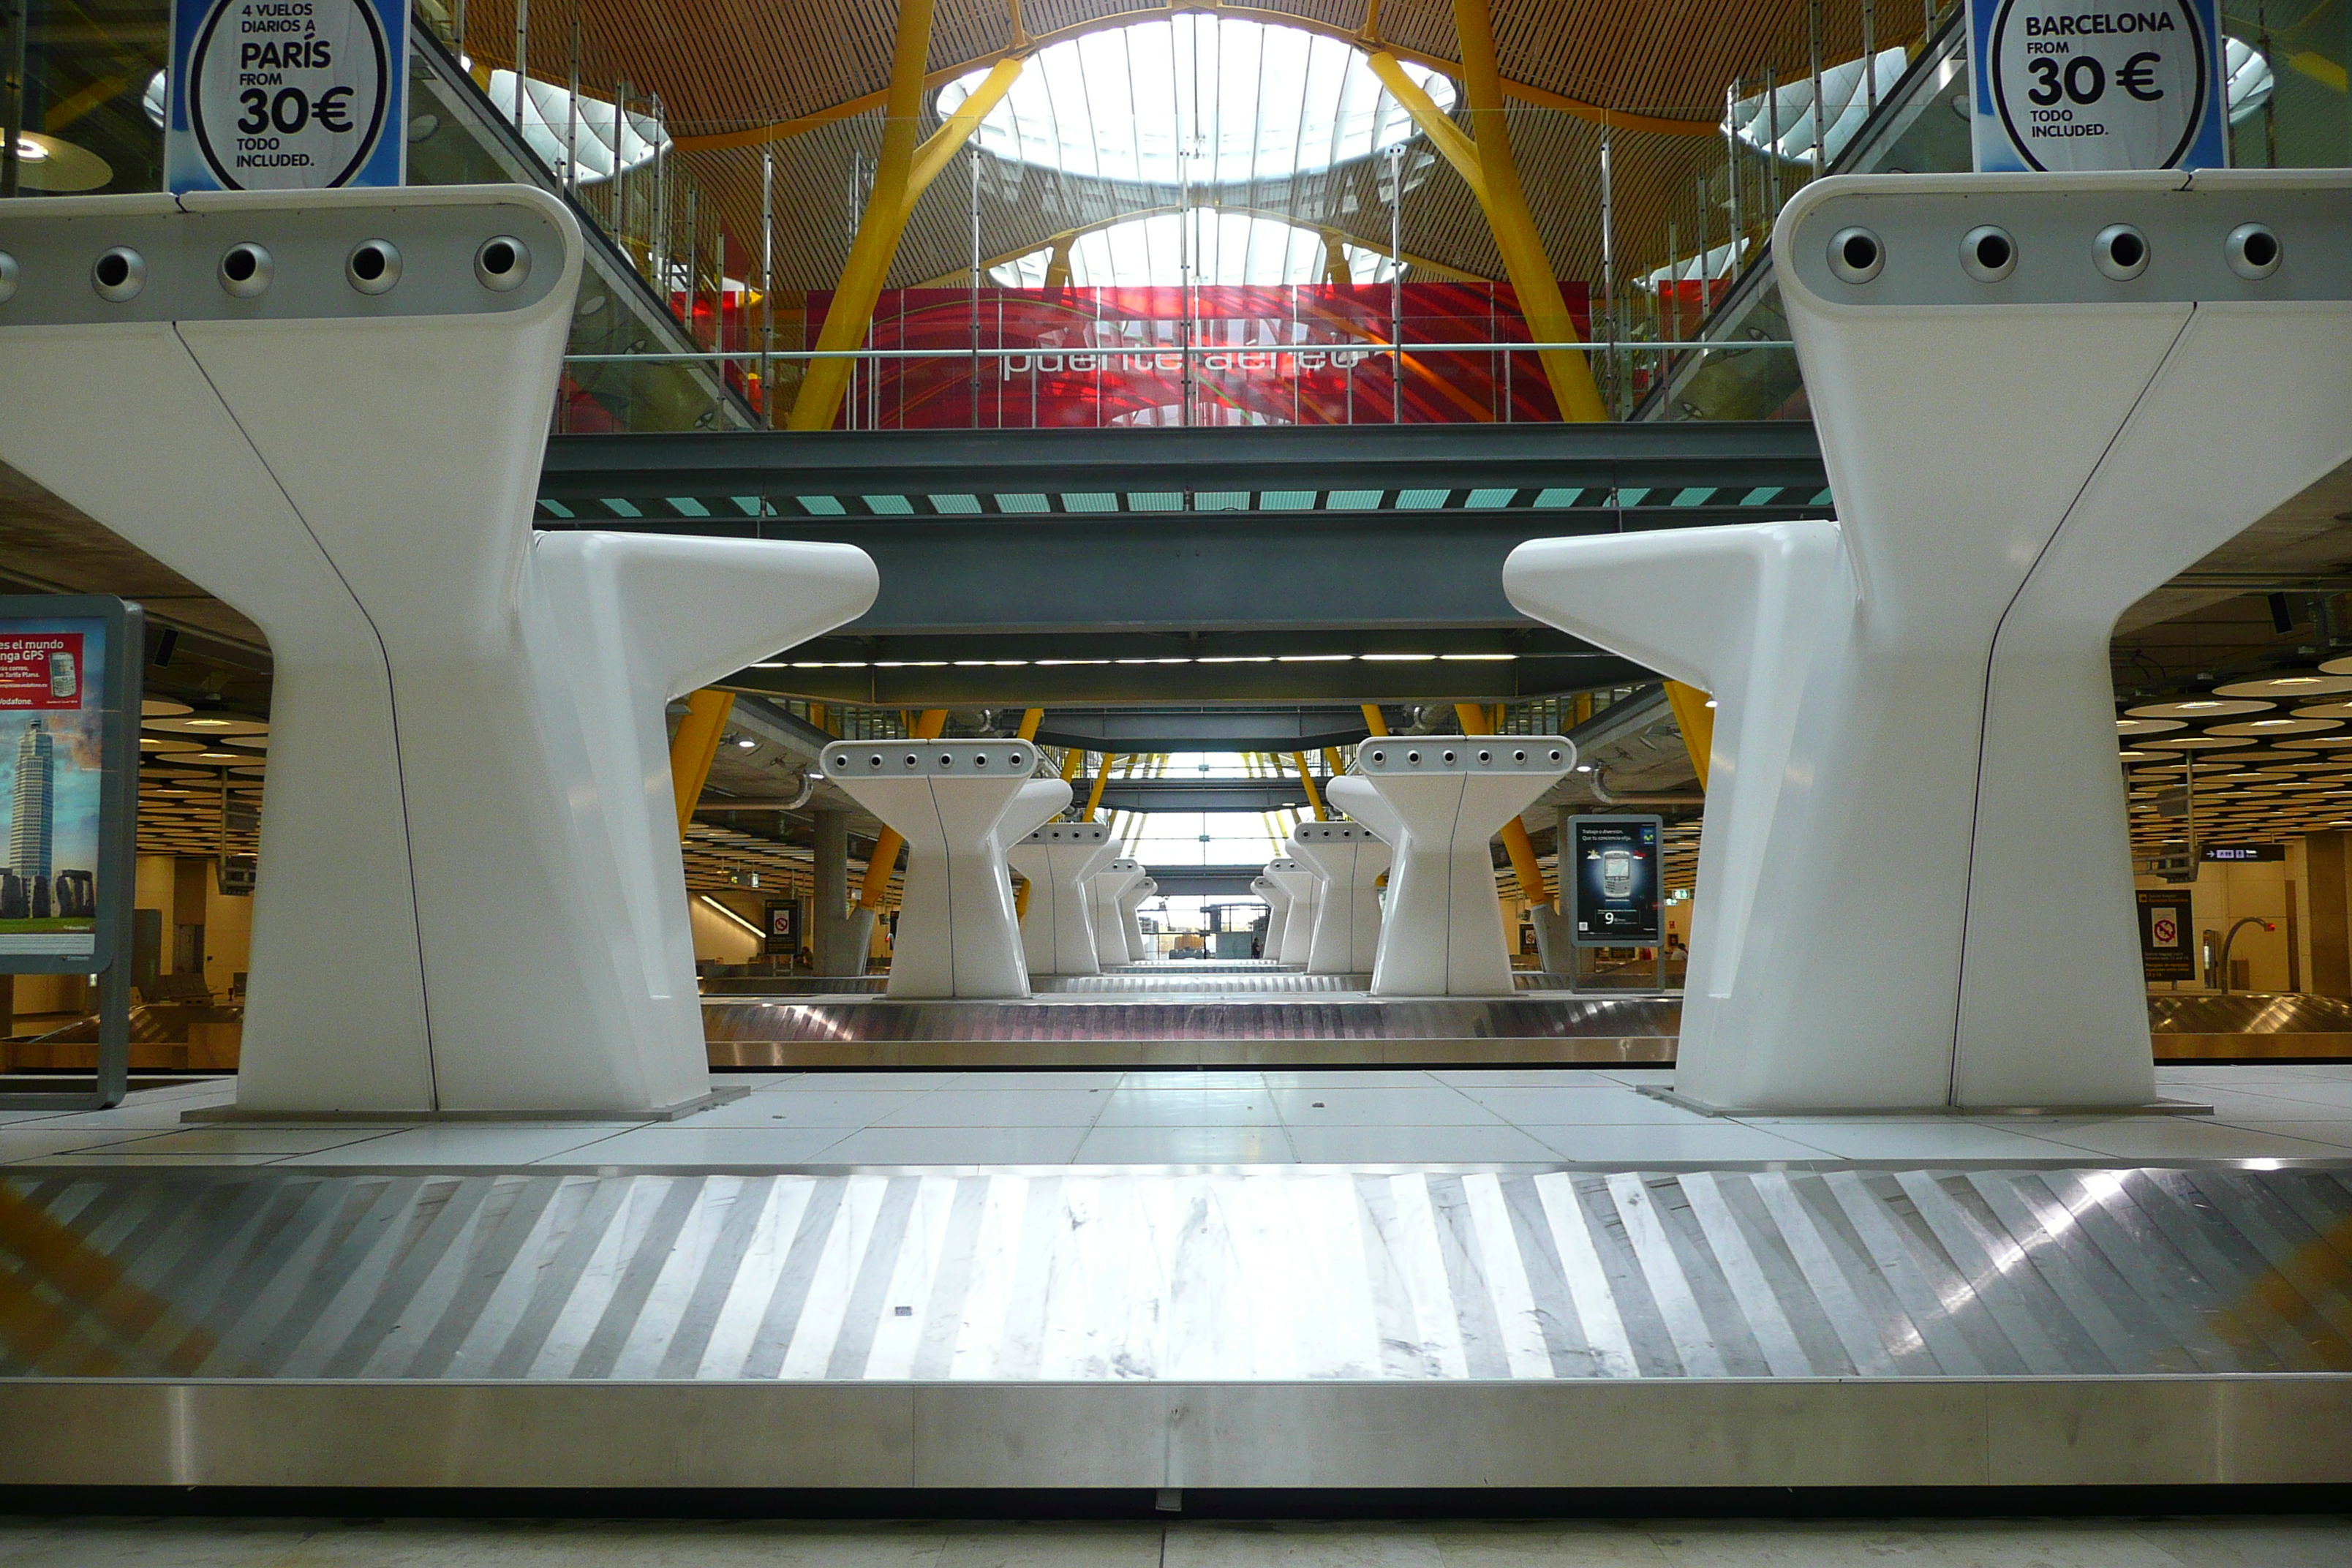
(1697, 721)
(901, 175)
(695, 747)
(1484, 161)
(1314, 795)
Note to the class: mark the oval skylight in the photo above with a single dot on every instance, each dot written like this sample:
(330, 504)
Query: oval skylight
(1222, 248)
(1205, 100)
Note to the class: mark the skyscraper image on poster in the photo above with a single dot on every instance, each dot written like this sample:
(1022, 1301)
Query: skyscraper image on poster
(52, 743)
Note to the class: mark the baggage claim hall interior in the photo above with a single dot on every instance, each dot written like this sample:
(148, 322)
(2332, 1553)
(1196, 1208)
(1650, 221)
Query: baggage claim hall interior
(1314, 782)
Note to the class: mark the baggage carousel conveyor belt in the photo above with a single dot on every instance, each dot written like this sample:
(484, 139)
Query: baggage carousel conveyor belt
(1091, 1029)
(1832, 1325)
(1208, 1027)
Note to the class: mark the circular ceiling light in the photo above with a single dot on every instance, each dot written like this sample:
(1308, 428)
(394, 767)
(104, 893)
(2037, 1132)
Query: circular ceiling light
(215, 758)
(162, 707)
(2291, 683)
(51, 163)
(207, 726)
(2324, 710)
(149, 745)
(246, 742)
(2200, 707)
(2190, 744)
(2149, 726)
(2264, 729)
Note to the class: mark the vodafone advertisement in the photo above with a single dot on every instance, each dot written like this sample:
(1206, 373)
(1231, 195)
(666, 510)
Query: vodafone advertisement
(52, 746)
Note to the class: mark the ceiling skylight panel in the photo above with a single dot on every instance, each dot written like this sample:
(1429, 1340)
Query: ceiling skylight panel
(1198, 100)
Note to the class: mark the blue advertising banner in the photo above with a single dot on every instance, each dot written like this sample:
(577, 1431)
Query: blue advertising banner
(2070, 86)
(287, 94)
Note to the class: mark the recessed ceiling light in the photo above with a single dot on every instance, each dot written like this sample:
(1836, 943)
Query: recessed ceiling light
(1470, 658)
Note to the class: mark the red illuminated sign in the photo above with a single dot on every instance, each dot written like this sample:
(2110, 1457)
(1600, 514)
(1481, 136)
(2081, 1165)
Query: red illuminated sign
(40, 670)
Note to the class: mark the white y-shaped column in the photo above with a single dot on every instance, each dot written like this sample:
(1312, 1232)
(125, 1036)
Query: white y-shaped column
(1060, 860)
(1114, 944)
(1277, 911)
(1304, 886)
(469, 898)
(2039, 398)
(958, 935)
(1440, 800)
(1348, 859)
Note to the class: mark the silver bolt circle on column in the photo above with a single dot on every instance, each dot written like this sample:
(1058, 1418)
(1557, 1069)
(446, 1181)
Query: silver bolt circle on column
(502, 263)
(1856, 256)
(2120, 252)
(245, 270)
(118, 275)
(2253, 251)
(1988, 253)
(373, 266)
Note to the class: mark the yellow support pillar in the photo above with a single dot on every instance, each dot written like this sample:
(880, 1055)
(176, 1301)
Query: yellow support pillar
(1030, 718)
(1475, 720)
(1094, 796)
(1484, 159)
(695, 746)
(1072, 760)
(1374, 720)
(1332, 765)
(885, 858)
(1314, 795)
(1698, 720)
(901, 173)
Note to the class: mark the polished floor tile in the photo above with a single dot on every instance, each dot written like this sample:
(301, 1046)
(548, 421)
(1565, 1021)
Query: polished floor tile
(674, 1144)
(1701, 1141)
(1226, 1145)
(807, 1108)
(955, 1146)
(1428, 1105)
(1408, 1146)
(2177, 1137)
(1603, 1104)
(1189, 1108)
(1011, 1108)
(237, 1139)
(38, 1143)
(1923, 1138)
(460, 1144)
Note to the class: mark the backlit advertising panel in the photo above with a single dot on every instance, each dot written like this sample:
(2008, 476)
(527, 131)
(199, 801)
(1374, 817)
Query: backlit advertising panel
(1614, 867)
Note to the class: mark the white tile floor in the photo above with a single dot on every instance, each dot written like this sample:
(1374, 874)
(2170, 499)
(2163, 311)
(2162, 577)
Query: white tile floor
(1473, 1116)
(2324, 1542)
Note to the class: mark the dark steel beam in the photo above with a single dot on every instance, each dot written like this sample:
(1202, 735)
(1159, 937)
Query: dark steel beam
(1054, 687)
(1203, 795)
(1182, 729)
(1203, 881)
(1777, 453)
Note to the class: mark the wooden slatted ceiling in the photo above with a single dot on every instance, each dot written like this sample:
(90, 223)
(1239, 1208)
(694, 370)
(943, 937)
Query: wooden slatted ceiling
(735, 65)
(730, 65)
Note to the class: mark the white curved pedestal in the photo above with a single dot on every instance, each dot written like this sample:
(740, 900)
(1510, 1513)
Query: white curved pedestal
(1129, 928)
(470, 887)
(1445, 796)
(1114, 944)
(1304, 886)
(1348, 859)
(1277, 910)
(958, 935)
(1060, 860)
(1915, 889)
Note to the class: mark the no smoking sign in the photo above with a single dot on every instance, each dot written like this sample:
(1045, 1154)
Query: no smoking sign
(276, 95)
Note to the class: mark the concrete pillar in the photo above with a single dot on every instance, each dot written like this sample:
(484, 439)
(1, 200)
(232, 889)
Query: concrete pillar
(2331, 952)
(828, 927)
